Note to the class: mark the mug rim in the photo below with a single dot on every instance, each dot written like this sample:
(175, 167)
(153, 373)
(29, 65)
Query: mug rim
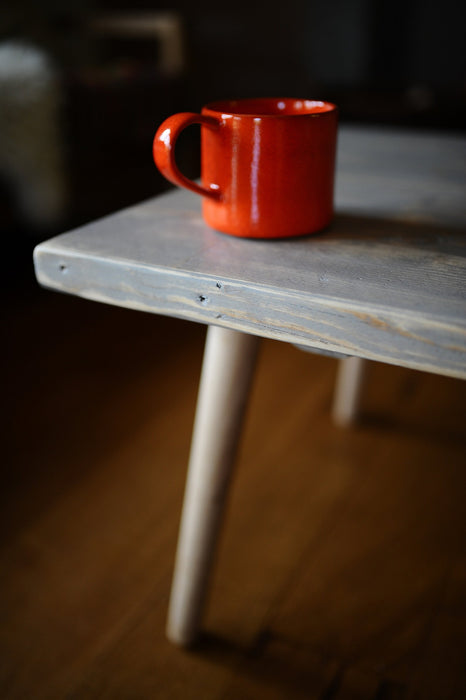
(233, 107)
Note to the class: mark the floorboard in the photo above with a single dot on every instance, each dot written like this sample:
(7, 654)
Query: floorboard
(342, 566)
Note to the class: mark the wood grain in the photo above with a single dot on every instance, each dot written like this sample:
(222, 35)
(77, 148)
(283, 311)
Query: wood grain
(385, 282)
(227, 372)
(342, 566)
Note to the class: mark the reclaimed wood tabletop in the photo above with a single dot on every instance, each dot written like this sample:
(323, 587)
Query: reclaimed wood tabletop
(386, 281)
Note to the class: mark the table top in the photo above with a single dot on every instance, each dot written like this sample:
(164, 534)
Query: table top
(386, 281)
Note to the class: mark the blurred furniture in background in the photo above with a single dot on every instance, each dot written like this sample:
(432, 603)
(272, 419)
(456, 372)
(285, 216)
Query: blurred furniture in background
(122, 71)
(163, 29)
(31, 138)
(114, 102)
(386, 283)
(79, 115)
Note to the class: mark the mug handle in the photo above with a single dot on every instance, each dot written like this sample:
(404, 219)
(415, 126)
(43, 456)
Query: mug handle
(164, 151)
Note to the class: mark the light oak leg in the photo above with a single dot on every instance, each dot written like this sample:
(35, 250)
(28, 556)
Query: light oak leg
(348, 390)
(228, 366)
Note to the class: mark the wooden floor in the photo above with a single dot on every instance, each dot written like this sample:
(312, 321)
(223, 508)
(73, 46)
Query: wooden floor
(342, 567)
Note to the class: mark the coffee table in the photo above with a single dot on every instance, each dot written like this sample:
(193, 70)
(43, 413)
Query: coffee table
(386, 282)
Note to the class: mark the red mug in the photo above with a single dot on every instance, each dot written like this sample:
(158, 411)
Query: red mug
(267, 164)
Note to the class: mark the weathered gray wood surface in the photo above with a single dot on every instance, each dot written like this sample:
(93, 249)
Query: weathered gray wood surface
(385, 282)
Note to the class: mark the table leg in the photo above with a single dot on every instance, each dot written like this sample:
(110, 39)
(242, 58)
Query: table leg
(228, 366)
(348, 390)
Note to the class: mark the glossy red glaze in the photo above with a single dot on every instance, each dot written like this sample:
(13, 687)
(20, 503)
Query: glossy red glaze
(267, 164)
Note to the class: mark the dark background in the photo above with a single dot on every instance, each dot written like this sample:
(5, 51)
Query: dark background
(355, 537)
(391, 62)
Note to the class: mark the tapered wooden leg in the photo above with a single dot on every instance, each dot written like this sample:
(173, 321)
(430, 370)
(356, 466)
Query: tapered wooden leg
(228, 367)
(348, 389)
